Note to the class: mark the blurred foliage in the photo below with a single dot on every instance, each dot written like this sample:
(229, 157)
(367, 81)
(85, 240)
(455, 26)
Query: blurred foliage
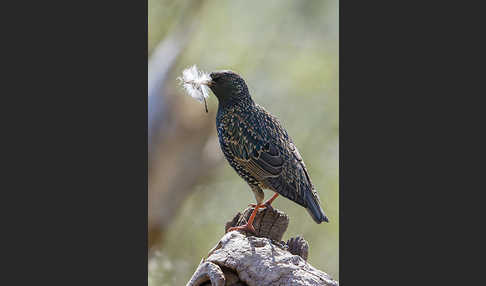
(287, 51)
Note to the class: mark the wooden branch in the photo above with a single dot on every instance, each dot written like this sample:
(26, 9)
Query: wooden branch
(261, 259)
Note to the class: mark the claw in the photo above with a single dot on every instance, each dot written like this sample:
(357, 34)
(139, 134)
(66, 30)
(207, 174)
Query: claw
(266, 205)
(269, 206)
(254, 206)
(246, 227)
(249, 225)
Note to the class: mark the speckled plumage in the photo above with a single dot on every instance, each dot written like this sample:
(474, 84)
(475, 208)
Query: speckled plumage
(258, 147)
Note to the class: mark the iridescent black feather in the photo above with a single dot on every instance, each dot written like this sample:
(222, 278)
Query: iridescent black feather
(258, 147)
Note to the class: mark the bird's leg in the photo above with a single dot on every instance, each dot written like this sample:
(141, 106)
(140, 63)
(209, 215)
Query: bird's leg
(268, 203)
(249, 225)
(259, 195)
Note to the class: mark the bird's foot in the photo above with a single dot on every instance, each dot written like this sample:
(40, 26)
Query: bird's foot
(265, 205)
(246, 227)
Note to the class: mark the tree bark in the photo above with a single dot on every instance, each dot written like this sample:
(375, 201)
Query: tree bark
(242, 258)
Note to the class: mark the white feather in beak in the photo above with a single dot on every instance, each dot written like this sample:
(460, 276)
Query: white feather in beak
(195, 83)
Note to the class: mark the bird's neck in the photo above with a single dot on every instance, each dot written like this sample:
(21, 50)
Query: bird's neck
(241, 100)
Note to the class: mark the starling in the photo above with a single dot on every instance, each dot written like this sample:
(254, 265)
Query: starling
(259, 149)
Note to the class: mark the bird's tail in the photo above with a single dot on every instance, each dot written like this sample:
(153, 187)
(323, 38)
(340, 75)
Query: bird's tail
(314, 208)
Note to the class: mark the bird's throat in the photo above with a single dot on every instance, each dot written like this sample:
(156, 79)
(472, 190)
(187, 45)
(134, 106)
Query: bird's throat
(229, 100)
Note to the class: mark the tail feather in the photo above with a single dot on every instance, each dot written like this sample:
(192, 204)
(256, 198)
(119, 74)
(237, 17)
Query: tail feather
(314, 208)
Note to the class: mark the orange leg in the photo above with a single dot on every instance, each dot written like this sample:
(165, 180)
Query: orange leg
(249, 225)
(268, 203)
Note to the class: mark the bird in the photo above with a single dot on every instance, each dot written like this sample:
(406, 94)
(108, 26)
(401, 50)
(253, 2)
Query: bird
(259, 149)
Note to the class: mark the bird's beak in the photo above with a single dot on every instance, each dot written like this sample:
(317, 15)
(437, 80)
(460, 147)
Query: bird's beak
(209, 83)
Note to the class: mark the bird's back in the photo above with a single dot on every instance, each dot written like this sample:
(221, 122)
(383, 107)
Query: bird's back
(261, 152)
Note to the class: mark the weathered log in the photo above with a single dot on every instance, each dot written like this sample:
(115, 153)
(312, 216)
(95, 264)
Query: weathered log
(242, 258)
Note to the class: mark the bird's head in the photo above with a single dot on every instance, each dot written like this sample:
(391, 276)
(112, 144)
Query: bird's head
(229, 87)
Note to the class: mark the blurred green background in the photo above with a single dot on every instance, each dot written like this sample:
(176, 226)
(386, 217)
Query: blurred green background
(287, 51)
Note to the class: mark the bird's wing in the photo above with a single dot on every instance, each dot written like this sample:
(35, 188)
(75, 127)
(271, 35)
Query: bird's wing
(260, 146)
(293, 181)
(249, 148)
